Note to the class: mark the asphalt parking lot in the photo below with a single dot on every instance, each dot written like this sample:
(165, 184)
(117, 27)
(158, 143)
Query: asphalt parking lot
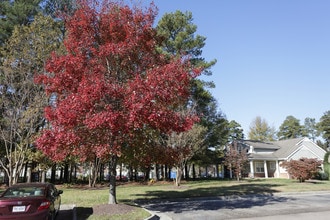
(291, 206)
(303, 206)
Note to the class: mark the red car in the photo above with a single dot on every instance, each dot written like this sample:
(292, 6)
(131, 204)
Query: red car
(30, 201)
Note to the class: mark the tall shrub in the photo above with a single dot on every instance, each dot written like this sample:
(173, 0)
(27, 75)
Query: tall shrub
(302, 169)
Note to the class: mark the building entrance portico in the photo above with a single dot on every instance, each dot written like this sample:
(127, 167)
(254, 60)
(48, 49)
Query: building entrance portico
(264, 168)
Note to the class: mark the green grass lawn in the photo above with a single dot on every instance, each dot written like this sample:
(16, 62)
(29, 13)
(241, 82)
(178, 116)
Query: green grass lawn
(130, 193)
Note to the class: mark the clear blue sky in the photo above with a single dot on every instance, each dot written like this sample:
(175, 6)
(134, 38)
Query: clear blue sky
(273, 56)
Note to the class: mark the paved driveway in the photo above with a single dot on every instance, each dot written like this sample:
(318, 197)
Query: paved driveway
(303, 206)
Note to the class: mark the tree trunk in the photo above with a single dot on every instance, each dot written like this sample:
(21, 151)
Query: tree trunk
(43, 176)
(162, 177)
(10, 180)
(157, 172)
(178, 176)
(135, 175)
(25, 178)
(94, 170)
(53, 174)
(101, 172)
(120, 171)
(14, 179)
(169, 173)
(194, 171)
(186, 172)
(166, 176)
(112, 188)
(66, 173)
(28, 172)
(90, 175)
(75, 173)
(217, 170)
(146, 174)
(130, 173)
(61, 174)
(6, 179)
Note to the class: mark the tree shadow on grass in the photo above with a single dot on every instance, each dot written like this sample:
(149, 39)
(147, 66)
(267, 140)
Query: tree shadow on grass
(212, 198)
(182, 192)
(239, 202)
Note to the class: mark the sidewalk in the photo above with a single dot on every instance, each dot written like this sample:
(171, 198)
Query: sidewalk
(67, 212)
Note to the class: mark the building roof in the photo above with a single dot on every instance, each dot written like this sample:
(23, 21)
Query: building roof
(287, 147)
(284, 149)
(262, 156)
(263, 145)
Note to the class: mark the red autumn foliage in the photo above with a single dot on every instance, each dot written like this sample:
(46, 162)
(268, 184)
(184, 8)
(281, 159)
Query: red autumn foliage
(111, 83)
(302, 169)
(236, 161)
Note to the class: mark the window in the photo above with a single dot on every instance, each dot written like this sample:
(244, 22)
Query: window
(260, 167)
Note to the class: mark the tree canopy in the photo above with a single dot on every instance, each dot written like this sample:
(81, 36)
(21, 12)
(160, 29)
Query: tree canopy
(236, 160)
(310, 127)
(302, 169)
(13, 13)
(111, 84)
(22, 101)
(290, 128)
(235, 131)
(179, 38)
(261, 131)
(324, 127)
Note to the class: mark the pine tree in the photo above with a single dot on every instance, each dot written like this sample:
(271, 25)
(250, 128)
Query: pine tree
(15, 13)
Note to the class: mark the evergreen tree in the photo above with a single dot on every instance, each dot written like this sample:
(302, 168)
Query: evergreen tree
(235, 131)
(311, 128)
(13, 13)
(324, 127)
(179, 38)
(290, 128)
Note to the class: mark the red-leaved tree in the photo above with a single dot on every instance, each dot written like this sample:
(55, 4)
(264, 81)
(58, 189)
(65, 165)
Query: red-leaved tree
(236, 161)
(111, 84)
(302, 169)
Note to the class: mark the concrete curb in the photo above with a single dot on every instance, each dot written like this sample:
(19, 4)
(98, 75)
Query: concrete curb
(156, 216)
(153, 215)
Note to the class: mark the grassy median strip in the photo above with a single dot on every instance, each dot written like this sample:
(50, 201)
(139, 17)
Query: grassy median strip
(129, 193)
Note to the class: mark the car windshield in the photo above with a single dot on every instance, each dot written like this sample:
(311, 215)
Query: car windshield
(24, 192)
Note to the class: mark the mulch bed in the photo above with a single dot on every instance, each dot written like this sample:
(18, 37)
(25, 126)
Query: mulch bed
(104, 210)
(112, 209)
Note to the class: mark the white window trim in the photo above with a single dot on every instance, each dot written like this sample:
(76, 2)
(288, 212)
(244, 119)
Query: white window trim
(259, 167)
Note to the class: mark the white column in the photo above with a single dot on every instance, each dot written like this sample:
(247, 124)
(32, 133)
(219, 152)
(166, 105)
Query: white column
(277, 169)
(265, 168)
(251, 169)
